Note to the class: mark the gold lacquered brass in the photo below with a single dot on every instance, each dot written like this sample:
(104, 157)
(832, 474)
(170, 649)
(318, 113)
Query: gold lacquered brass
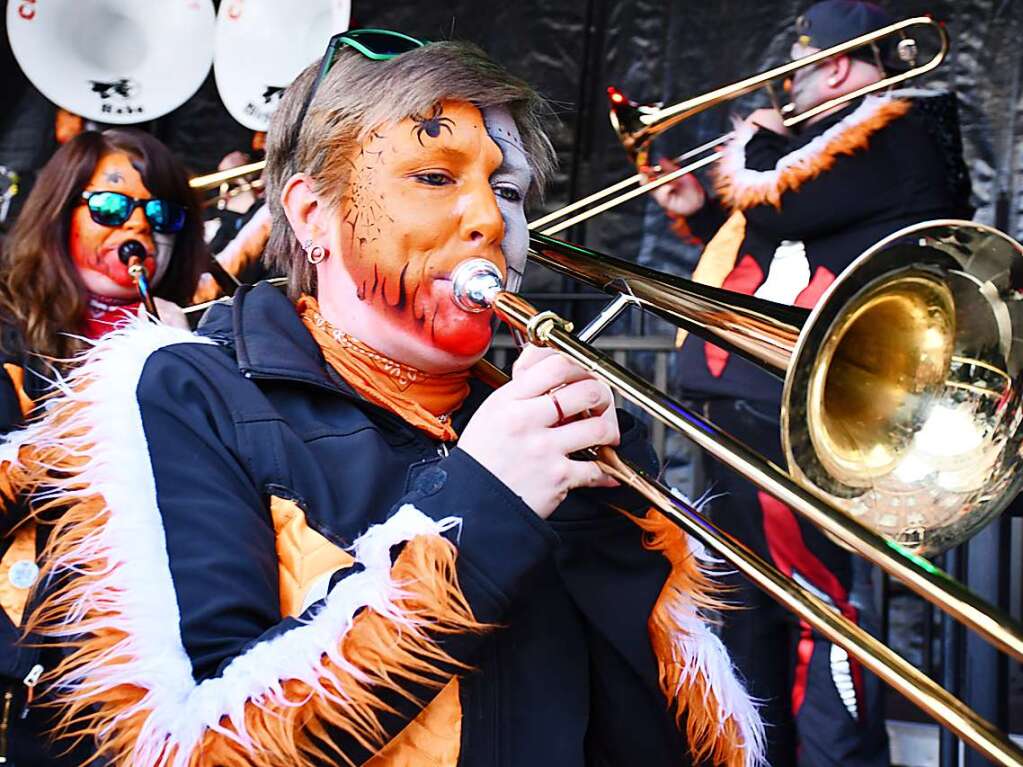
(902, 402)
(874, 375)
(914, 509)
(547, 329)
(215, 179)
(638, 124)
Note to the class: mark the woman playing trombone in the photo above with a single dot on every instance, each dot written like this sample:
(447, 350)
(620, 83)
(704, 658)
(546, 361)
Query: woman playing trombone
(312, 537)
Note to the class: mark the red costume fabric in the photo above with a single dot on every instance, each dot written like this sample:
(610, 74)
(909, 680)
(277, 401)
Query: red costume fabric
(104, 314)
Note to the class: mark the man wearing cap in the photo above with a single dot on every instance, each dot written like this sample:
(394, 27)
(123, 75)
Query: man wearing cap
(798, 206)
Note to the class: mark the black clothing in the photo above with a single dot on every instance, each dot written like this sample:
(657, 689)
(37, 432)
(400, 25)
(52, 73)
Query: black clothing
(209, 433)
(905, 177)
(822, 709)
(787, 665)
(22, 726)
(581, 628)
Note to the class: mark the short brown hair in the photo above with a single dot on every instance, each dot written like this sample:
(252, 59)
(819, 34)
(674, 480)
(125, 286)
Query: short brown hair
(42, 295)
(360, 94)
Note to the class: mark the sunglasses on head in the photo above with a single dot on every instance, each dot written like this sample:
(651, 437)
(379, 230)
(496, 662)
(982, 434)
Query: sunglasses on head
(114, 208)
(374, 44)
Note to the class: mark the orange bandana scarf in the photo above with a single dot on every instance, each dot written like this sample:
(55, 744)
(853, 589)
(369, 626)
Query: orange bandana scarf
(423, 400)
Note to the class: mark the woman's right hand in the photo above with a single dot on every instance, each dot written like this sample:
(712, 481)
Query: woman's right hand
(519, 436)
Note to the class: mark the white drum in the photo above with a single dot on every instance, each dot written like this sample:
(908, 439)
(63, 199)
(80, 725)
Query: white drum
(114, 61)
(262, 45)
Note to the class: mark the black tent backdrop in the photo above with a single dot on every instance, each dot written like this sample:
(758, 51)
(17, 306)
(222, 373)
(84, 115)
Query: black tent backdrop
(655, 50)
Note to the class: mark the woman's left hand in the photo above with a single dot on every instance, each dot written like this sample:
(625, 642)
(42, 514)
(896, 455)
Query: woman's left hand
(531, 355)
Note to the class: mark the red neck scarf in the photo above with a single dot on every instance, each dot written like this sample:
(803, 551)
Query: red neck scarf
(104, 314)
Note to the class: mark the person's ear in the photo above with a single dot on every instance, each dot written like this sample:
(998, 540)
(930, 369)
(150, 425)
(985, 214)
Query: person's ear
(838, 70)
(305, 211)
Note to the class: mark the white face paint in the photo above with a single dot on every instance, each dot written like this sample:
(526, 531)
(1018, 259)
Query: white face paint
(164, 249)
(510, 182)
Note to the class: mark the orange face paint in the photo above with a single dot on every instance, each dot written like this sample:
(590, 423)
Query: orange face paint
(93, 247)
(420, 201)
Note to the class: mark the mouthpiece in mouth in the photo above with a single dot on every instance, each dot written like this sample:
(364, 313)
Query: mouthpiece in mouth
(474, 283)
(131, 249)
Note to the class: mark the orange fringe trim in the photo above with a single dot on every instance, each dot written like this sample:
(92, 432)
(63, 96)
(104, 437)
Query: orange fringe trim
(290, 728)
(849, 142)
(721, 743)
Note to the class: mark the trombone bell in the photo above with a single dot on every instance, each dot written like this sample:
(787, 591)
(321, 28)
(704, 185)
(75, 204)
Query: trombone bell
(902, 402)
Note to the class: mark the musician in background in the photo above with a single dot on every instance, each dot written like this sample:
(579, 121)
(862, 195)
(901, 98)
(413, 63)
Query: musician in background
(62, 283)
(238, 228)
(351, 550)
(795, 207)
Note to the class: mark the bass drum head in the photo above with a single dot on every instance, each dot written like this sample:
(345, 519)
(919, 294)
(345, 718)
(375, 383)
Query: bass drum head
(113, 61)
(262, 45)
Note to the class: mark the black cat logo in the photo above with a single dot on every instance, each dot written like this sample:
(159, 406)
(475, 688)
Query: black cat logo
(272, 93)
(123, 88)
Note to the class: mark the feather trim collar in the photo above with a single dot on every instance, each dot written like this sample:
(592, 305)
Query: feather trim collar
(740, 188)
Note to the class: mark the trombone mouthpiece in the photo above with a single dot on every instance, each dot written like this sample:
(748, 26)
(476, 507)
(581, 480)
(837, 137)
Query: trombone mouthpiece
(131, 249)
(474, 283)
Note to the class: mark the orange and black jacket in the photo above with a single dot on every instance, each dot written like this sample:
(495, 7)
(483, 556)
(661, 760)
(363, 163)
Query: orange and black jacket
(266, 563)
(20, 385)
(22, 382)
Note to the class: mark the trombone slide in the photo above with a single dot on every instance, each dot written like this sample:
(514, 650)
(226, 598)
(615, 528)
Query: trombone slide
(546, 329)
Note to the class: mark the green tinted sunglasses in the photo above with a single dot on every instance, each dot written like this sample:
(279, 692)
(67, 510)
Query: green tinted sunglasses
(374, 44)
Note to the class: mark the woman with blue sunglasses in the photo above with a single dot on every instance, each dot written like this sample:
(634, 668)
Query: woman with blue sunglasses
(63, 274)
(63, 283)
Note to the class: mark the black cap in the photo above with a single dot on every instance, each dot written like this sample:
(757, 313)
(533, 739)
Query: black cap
(833, 22)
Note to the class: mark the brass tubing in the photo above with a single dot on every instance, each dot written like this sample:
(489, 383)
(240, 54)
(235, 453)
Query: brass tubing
(891, 668)
(215, 179)
(625, 183)
(762, 331)
(616, 201)
(657, 121)
(548, 329)
(915, 572)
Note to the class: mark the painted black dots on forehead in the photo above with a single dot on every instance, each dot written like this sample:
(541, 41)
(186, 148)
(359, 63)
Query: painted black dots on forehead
(500, 132)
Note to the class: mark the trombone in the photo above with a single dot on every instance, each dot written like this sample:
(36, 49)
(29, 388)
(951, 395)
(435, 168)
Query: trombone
(221, 181)
(637, 125)
(951, 376)
(215, 179)
(895, 448)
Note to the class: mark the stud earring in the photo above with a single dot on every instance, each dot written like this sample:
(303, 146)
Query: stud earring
(832, 81)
